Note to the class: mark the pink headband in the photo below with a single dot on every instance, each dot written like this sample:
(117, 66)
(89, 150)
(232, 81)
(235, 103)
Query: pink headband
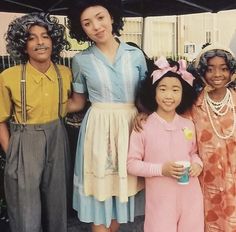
(164, 67)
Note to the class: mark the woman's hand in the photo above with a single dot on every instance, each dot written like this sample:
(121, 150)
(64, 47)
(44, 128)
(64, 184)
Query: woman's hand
(76, 103)
(139, 119)
(172, 169)
(195, 170)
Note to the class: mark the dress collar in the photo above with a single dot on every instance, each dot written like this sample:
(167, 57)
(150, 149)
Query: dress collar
(169, 126)
(120, 51)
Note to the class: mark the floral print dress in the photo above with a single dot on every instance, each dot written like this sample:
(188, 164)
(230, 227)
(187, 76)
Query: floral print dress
(218, 179)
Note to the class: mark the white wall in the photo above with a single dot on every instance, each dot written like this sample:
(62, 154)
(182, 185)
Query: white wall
(5, 18)
(160, 36)
(221, 25)
(132, 30)
(163, 35)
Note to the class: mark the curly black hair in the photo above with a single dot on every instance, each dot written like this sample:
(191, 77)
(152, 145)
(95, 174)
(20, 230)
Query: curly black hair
(76, 8)
(147, 91)
(18, 33)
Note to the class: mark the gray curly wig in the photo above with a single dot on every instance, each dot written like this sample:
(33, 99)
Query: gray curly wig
(226, 55)
(199, 67)
(18, 32)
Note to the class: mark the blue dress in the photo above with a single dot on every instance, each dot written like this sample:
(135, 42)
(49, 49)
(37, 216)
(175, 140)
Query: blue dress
(105, 83)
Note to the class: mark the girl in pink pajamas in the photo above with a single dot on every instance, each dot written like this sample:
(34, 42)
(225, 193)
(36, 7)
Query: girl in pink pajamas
(167, 137)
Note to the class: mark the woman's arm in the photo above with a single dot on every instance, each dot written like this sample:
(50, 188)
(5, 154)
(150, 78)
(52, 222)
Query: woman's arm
(77, 102)
(138, 167)
(135, 164)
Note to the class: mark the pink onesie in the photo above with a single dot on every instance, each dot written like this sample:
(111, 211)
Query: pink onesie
(170, 207)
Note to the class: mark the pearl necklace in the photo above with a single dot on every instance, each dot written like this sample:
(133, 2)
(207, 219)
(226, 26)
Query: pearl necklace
(217, 107)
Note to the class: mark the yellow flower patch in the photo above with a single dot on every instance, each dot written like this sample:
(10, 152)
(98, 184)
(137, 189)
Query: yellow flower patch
(188, 133)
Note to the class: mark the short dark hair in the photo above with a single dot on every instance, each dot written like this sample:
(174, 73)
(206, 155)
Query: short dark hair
(76, 8)
(147, 93)
(18, 32)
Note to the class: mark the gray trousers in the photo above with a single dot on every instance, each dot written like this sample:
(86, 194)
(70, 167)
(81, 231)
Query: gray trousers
(36, 176)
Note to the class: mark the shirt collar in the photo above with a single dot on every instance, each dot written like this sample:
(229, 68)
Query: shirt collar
(122, 48)
(169, 126)
(37, 75)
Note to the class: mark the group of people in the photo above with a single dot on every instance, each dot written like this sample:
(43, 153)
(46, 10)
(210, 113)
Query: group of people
(140, 123)
(168, 135)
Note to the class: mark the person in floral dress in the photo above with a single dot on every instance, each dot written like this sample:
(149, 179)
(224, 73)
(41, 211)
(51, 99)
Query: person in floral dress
(215, 120)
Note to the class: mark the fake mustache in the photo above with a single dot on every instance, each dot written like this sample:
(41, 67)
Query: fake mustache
(40, 47)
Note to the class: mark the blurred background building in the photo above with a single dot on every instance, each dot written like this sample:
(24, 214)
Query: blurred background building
(171, 36)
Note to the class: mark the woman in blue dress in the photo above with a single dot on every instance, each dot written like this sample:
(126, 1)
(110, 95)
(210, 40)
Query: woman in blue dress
(108, 73)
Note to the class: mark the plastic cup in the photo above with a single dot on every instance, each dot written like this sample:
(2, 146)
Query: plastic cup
(185, 177)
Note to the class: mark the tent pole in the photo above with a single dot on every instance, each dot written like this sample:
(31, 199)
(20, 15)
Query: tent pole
(143, 32)
(177, 35)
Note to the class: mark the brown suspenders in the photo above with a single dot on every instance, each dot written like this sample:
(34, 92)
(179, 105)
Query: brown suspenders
(60, 87)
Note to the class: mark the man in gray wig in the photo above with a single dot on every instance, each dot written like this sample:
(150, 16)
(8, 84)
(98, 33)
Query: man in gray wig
(33, 97)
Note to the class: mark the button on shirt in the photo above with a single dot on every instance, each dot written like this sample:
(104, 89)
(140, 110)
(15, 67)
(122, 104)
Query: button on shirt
(42, 94)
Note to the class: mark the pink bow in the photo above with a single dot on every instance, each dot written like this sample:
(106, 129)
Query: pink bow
(187, 76)
(164, 67)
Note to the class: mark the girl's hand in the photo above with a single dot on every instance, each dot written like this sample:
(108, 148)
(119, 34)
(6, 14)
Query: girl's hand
(171, 169)
(195, 170)
(141, 117)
